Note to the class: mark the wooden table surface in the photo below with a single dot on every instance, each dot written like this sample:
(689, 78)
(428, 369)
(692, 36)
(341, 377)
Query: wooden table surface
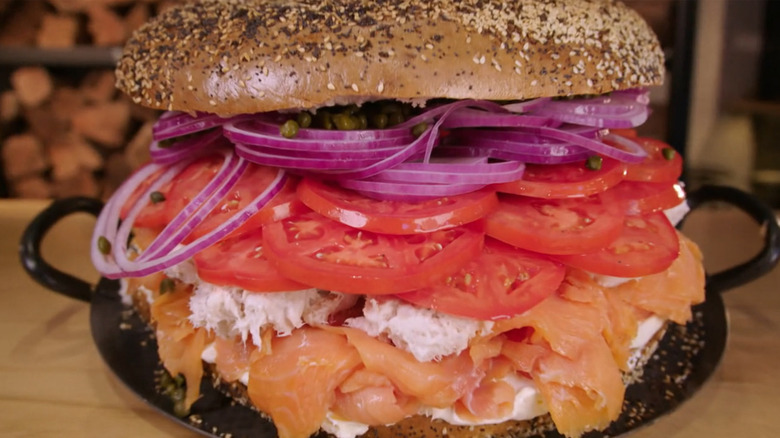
(54, 384)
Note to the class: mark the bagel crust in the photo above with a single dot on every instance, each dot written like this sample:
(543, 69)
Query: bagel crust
(245, 56)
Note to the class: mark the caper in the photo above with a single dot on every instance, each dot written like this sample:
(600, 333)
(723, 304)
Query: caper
(324, 119)
(289, 129)
(418, 129)
(362, 121)
(594, 162)
(391, 107)
(351, 109)
(177, 394)
(104, 246)
(668, 153)
(379, 120)
(344, 121)
(167, 285)
(156, 197)
(165, 382)
(180, 409)
(394, 118)
(304, 119)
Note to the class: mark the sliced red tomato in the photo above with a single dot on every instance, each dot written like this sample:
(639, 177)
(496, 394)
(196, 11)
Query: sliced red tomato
(655, 167)
(624, 132)
(153, 215)
(254, 181)
(645, 197)
(565, 180)
(648, 245)
(501, 282)
(556, 226)
(326, 254)
(395, 217)
(189, 183)
(239, 261)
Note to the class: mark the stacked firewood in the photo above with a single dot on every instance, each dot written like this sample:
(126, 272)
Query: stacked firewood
(66, 132)
(80, 139)
(67, 23)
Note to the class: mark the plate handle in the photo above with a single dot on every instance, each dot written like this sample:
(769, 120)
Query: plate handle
(762, 262)
(30, 247)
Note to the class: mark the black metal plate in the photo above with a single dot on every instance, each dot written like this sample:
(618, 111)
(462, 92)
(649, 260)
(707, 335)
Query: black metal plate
(685, 359)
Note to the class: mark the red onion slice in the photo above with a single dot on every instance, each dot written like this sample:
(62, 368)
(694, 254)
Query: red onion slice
(396, 191)
(518, 142)
(188, 148)
(181, 253)
(453, 171)
(471, 118)
(193, 213)
(528, 105)
(349, 155)
(608, 111)
(632, 152)
(455, 150)
(248, 127)
(177, 124)
(303, 163)
(109, 218)
(242, 132)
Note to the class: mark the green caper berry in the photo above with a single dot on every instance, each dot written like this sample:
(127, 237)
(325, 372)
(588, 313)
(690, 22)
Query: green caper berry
(391, 107)
(419, 129)
(324, 119)
(289, 129)
(344, 122)
(379, 121)
(104, 246)
(594, 162)
(362, 121)
(394, 119)
(167, 285)
(156, 197)
(668, 153)
(351, 109)
(180, 409)
(304, 119)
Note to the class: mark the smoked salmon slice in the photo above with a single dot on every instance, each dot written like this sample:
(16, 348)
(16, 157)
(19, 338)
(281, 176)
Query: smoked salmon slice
(670, 294)
(179, 344)
(296, 384)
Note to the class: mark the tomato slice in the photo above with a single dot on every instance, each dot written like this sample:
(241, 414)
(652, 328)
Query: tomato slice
(326, 254)
(648, 245)
(153, 215)
(395, 217)
(254, 181)
(501, 282)
(624, 132)
(565, 180)
(556, 226)
(239, 261)
(646, 197)
(655, 167)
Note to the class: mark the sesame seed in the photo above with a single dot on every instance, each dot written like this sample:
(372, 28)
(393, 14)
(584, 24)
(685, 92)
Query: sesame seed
(355, 88)
(605, 40)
